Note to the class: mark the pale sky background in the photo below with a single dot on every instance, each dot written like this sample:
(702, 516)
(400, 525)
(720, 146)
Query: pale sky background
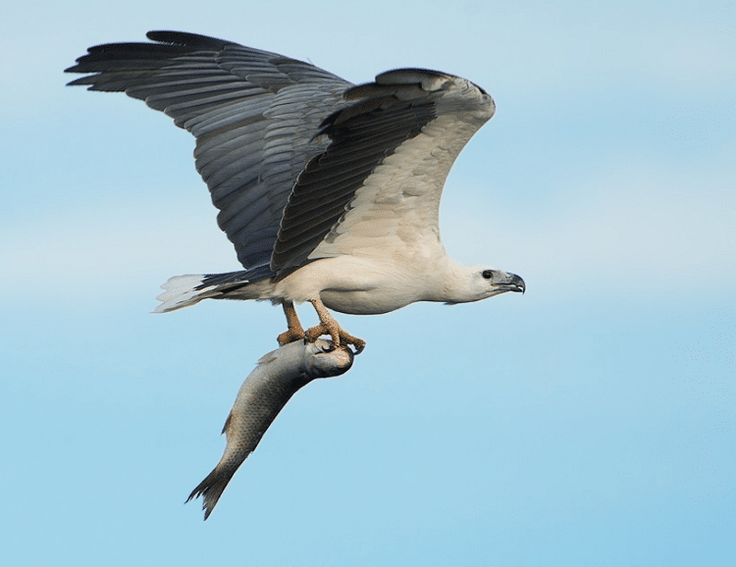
(590, 422)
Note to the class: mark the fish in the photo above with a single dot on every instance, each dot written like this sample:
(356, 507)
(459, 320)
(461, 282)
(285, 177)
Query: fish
(264, 393)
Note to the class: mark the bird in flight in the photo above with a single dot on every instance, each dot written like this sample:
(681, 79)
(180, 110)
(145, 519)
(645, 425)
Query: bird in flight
(329, 191)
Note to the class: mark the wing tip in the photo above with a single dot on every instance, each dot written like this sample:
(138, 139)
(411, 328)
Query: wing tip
(427, 79)
(186, 39)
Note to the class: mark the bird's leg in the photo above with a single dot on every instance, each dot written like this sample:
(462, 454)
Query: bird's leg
(328, 326)
(295, 332)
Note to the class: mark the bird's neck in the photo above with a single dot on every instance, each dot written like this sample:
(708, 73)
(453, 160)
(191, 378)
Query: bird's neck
(451, 283)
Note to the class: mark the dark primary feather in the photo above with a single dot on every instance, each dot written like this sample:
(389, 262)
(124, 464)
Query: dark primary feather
(254, 115)
(282, 145)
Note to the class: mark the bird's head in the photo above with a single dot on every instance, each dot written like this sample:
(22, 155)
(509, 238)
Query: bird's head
(492, 282)
(474, 284)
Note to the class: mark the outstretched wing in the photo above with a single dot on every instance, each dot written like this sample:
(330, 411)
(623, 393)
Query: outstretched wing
(376, 189)
(254, 114)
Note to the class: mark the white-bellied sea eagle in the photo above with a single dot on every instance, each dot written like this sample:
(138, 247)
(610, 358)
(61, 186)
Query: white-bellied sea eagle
(329, 191)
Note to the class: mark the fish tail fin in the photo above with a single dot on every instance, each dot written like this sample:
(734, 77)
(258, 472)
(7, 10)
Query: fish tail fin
(212, 487)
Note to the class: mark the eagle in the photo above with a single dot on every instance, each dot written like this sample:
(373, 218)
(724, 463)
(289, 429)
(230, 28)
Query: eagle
(328, 191)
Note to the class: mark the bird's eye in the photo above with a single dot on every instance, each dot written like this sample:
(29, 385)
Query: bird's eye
(487, 274)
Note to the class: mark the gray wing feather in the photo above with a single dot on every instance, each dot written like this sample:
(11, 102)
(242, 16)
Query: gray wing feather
(255, 116)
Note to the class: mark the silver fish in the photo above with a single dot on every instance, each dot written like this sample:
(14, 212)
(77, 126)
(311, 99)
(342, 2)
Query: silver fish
(277, 377)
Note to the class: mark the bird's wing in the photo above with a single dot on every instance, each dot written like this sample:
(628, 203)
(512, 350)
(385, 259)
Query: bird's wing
(376, 188)
(254, 114)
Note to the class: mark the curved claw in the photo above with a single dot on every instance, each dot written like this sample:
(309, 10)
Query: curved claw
(359, 344)
(337, 334)
(328, 326)
(290, 336)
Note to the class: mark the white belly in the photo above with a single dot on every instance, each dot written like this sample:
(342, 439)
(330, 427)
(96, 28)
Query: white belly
(371, 302)
(360, 286)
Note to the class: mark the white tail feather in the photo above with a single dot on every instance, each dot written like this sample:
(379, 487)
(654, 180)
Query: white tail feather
(180, 291)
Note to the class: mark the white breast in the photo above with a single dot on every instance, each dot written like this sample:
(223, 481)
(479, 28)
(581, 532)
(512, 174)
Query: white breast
(356, 285)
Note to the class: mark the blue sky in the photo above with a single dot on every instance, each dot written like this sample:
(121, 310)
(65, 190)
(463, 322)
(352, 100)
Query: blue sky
(590, 422)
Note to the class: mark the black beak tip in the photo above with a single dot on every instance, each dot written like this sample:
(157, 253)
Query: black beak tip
(519, 283)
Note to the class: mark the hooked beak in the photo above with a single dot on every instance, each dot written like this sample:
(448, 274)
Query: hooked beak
(511, 282)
